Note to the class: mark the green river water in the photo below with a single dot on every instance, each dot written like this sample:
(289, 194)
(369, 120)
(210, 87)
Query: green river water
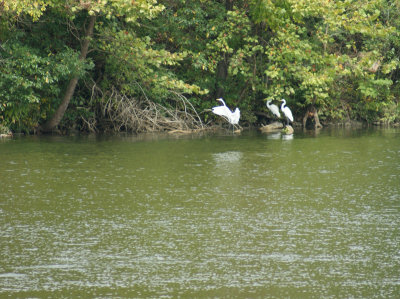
(217, 216)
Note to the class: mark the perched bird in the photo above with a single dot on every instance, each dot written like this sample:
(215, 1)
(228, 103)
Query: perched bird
(286, 111)
(224, 111)
(274, 109)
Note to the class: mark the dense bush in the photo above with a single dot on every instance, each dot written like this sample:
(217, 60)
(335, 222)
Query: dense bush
(337, 58)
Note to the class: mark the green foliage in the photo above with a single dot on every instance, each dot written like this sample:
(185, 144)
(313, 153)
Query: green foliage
(4, 130)
(340, 56)
(317, 47)
(135, 65)
(32, 8)
(30, 83)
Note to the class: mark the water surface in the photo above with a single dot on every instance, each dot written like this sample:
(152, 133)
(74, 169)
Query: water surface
(253, 215)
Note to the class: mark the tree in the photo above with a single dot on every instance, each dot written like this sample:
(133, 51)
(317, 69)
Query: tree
(117, 47)
(330, 59)
(69, 92)
(316, 48)
(33, 68)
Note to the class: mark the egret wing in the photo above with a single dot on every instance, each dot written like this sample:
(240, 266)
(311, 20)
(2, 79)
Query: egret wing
(222, 111)
(235, 117)
(275, 110)
(288, 113)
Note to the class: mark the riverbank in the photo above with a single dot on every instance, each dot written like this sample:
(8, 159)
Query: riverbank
(274, 126)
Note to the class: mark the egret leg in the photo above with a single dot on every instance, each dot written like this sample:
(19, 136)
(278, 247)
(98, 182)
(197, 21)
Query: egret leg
(233, 129)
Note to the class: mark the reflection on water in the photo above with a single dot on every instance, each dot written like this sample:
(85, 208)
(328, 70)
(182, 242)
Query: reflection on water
(229, 157)
(212, 216)
(279, 135)
(287, 136)
(274, 135)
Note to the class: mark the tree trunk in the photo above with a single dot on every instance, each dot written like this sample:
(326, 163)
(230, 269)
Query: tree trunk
(316, 119)
(223, 64)
(305, 118)
(58, 115)
(222, 74)
(229, 4)
(312, 112)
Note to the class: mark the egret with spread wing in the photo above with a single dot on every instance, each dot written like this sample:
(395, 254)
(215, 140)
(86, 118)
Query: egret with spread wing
(225, 112)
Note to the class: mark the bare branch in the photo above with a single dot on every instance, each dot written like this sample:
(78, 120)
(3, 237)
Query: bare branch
(143, 115)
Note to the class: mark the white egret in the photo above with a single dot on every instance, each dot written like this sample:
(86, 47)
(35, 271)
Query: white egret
(225, 112)
(274, 109)
(286, 111)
